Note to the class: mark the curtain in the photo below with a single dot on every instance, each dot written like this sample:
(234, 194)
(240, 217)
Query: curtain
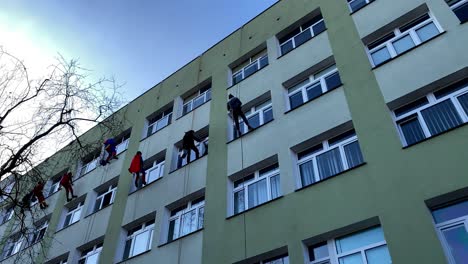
(257, 193)
(329, 163)
(239, 201)
(412, 131)
(441, 117)
(353, 154)
(307, 173)
(275, 186)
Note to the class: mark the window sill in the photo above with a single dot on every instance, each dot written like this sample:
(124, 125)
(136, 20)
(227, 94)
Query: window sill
(353, 12)
(329, 91)
(154, 133)
(250, 131)
(431, 137)
(229, 87)
(132, 192)
(192, 110)
(63, 228)
(255, 207)
(403, 53)
(196, 231)
(109, 205)
(202, 156)
(132, 257)
(331, 177)
(282, 55)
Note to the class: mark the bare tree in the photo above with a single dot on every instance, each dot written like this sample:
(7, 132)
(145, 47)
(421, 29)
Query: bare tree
(39, 118)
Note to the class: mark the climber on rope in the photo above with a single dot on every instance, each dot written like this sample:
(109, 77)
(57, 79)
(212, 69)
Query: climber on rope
(110, 147)
(26, 201)
(39, 195)
(188, 143)
(136, 167)
(234, 105)
(67, 183)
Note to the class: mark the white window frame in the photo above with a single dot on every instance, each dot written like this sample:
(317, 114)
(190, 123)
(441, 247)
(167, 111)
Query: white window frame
(312, 34)
(178, 216)
(72, 212)
(7, 214)
(201, 148)
(284, 260)
(319, 77)
(333, 256)
(7, 190)
(122, 144)
(154, 125)
(431, 98)
(251, 63)
(463, 220)
(14, 246)
(257, 178)
(53, 187)
(95, 250)
(111, 189)
(87, 167)
(349, 4)
(143, 228)
(264, 106)
(205, 96)
(325, 148)
(399, 35)
(157, 166)
(37, 231)
(458, 4)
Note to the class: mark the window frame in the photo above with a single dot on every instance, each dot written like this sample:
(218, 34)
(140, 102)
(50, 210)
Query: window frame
(8, 188)
(144, 227)
(111, 189)
(7, 214)
(154, 125)
(264, 106)
(156, 166)
(456, 5)
(432, 100)
(201, 148)
(250, 63)
(318, 77)
(206, 97)
(53, 186)
(87, 167)
(72, 212)
(14, 245)
(189, 207)
(244, 186)
(301, 30)
(36, 236)
(398, 35)
(122, 143)
(351, 9)
(96, 249)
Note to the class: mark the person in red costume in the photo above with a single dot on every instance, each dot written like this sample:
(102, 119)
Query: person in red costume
(40, 196)
(67, 183)
(136, 167)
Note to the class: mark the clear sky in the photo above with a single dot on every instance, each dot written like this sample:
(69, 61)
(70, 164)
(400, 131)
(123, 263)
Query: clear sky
(140, 42)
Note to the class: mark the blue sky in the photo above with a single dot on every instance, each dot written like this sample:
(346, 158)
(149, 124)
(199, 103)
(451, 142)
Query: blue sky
(139, 42)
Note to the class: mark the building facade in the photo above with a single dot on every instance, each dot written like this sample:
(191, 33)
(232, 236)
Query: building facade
(358, 155)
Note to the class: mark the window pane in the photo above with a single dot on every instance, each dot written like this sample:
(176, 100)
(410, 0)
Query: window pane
(303, 37)
(450, 212)
(188, 222)
(286, 47)
(428, 31)
(93, 259)
(403, 44)
(360, 239)
(296, 100)
(314, 91)
(173, 229)
(317, 252)
(275, 186)
(412, 131)
(141, 243)
(107, 199)
(462, 12)
(307, 173)
(237, 78)
(201, 215)
(441, 117)
(257, 193)
(76, 216)
(239, 201)
(457, 238)
(267, 115)
(128, 244)
(463, 99)
(352, 259)
(329, 163)
(67, 220)
(378, 255)
(198, 101)
(380, 56)
(263, 61)
(356, 4)
(319, 28)
(251, 69)
(187, 108)
(254, 120)
(97, 206)
(353, 154)
(333, 81)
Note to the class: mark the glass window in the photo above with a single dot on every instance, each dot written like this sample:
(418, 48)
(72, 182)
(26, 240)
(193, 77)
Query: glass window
(139, 239)
(187, 219)
(105, 198)
(302, 34)
(441, 117)
(254, 64)
(155, 172)
(357, 4)
(461, 10)
(256, 189)
(73, 215)
(403, 44)
(202, 149)
(6, 214)
(380, 56)
(257, 116)
(159, 122)
(198, 99)
(91, 256)
(302, 37)
(329, 158)
(427, 32)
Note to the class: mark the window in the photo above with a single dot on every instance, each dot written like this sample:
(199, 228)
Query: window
(403, 39)
(302, 34)
(314, 86)
(54, 185)
(329, 158)
(355, 5)
(186, 219)
(73, 214)
(433, 114)
(105, 198)
(460, 8)
(122, 143)
(91, 256)
(256, 188)
(88, 164)
(7, 189)
(6, 214)
(452, 227)
(38, 233)
(139, 239)
(155, 172)
(368, 246)
(276, 260)
(159, 122)
(257, 116)
(196, 100)
(249, 67)
(202, 148)
(13, 245)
